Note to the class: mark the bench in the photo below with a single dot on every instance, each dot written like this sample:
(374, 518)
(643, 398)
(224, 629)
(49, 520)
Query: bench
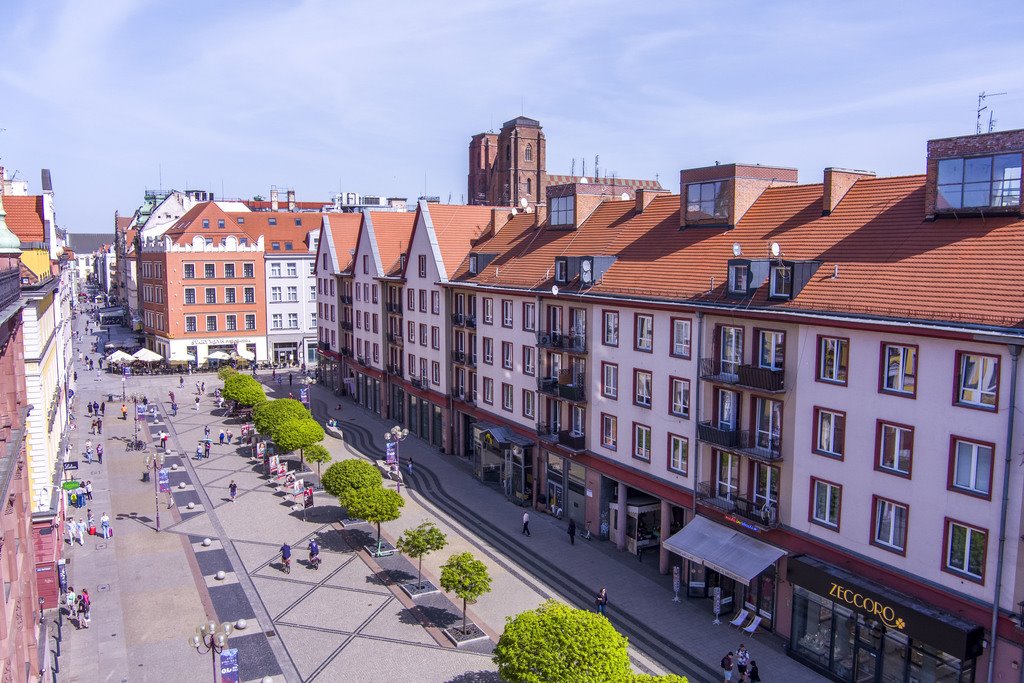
(392, 474)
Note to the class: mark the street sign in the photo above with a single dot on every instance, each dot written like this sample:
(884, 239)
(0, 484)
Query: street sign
(676, 582)
(71, 466)
(127, 371)
(717, 605)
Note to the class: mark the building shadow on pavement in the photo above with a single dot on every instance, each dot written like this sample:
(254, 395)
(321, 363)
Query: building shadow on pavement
(476, 677)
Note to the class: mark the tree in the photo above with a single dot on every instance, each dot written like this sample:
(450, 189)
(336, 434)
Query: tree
(297, 435)
(557, 643)
(225, 372)
(244, 390)
(420, 541)
(271, 414)
(664, 678)
(343, 477)
(318, 454)
(375, 505)
(467, 577)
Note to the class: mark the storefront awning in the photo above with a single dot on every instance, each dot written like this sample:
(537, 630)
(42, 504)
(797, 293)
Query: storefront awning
(725, 550)
(501, 435)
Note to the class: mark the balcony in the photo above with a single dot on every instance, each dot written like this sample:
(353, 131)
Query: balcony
(762, 379)
(458, 320)
(346, 299)
(575, 392)
(763, 447)
(394, 307)
(465, 397)
(394, 369)
(559, 341)
(573, 440)
(719, 496)
(395, 338)
(714, 370)
(323, 346)
(10, 286)
(418, 382)
(346, 351)
(363, 360)
(346, 325)
(548, 385)
(471, 321)
(546, 431)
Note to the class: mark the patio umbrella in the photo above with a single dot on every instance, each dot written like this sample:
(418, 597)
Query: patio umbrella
(246, 354)
(182, 358)
(218, 355)
(147, 356)
(119, 357)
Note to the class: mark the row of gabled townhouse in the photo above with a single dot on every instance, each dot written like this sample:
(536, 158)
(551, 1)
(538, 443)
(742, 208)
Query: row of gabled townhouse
(801, 396)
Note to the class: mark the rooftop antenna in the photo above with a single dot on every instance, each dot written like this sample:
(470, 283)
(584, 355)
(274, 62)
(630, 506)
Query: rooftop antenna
(584, 171)
(982, 107)
(573, 171)
(991, 122)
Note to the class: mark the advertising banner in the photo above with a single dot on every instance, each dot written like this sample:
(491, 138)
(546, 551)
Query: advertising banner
(229, 666)
(165, 481)
(391, 452)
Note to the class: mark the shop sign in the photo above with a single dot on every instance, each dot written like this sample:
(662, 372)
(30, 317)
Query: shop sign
(743, 523)
(867, 605)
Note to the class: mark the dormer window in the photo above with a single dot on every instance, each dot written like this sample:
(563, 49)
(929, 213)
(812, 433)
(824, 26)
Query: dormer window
(298, 222)
(220, 222)
(979, 182)
(562, 210)
(241, 220)
(561, 271)
(206, 222)
(782, 281)
(473, 264)
(272, 221)
(287, 246)
(275, 246)
(705, 200)
(738, 275)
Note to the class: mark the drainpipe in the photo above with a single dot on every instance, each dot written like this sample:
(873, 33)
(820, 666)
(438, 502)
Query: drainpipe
(1014, 357)
(698, 404)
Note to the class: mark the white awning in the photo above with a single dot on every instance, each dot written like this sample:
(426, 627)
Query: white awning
(725, 550)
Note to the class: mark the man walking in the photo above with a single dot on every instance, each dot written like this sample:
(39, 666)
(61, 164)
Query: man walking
(572, 531)
(124, 412)
(70, 528)
(526, 523)
(80, 528)
(99, 427)
(409, 465)
(103, 409)
(99, 453)
(233, 488)
(602, 601)
(197, 404)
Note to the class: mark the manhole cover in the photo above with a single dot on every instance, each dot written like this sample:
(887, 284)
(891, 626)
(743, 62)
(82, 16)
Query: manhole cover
(103, 587)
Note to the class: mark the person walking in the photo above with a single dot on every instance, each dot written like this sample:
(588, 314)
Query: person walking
(181, 382)
(80, 529)
(602, 601)
(199, 452)
(88, 409)
(206, 450)
(99, 427)
(69, 601)
(742, 660)
(124, 412)
(526, 523)
(726, 665)
(197, 404)
(409, 465)
(103, 409)
(221, 437)
(289, 379)
(163, 440)
(70, 528)
(85, 613)
(105, 525)
(88, 490)
(230, 437)
(754, 676)
(572, 531)
(202, 388)
(206, 432)
(99, 453)
(233, 488)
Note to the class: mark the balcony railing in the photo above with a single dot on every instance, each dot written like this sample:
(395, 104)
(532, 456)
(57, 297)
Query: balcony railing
(323, 346)
(573, 440)
(458, 319)
(720, 496)
(562, 341)
(346, 325)
(418, 382)
(346, 299)
(548, 385)
(459, 357)
(714, 370)
(762, 379)
(394, 307)
(546, 431)
(363, 360)
(575, 392)
(346, 351)
(395, 369)
(10, 286)
(767, 448)
(471, 321)
(396, 338)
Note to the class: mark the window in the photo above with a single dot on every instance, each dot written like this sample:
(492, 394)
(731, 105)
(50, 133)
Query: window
(528, 154)
(644, 333)
(829, 432)
(190, 323)
(895, 448)
(293, 321)
(890, 525)
(276, 321)
(435, 369)
(272, 221)
(211, 323)
(705, 200)
(738, 279)
(506, 313)
(971, 467)
(229, 295)
(610, 380)
(435, 303)
(190, 295)
(781, 282)
(298, 222)
(473, 269)
(899, 369)
(506, 397)
(642, 388)
(641, 442)
(231, 322)
(609, 431)
(411, 331)
(826, 499)
(488, 344)
(730, 349)
(529, 317)
(768, 424)
(312, 292)
(211, 295)
(727, 409)
(610, 336)
(291, 268)
(250, 295)
(423, 301)
(528, 405)
(562, 210)
(422, 264)
(679, 397)
(529, 367)
(965, 549)
(229, 270)
(977, 381)
(680, 338)
(423, 333)
(209, 270)
(411, 303)
(293, 293)
(248, 270)
(979, 182)
(678, 454)
(488, 310)
(506, 355)
(250, 321)
(771, 349)
(374, 291)
(833, 359)
(312, 320)
(275, 269)
(206, 223)
(561, 271)
(488, 390)
(275, 294)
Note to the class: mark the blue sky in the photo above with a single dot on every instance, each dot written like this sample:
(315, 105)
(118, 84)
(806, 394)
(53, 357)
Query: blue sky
(382, 98)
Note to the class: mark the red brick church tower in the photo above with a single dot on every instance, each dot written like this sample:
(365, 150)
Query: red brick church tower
(508, 166)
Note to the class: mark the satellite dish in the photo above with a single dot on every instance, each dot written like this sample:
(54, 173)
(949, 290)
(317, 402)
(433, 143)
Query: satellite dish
(776, 249)
(524, 202)
(625, 196)
(514, 211)
(737, 250)
(583, 181)
(554, 290)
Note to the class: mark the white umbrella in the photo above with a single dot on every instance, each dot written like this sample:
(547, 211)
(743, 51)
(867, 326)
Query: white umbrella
(147, 356)
(218, 355)
(120, 356)
(246, 354)
(182, 358)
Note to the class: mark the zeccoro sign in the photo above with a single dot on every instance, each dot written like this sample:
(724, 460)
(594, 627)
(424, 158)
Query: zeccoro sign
(884, 613)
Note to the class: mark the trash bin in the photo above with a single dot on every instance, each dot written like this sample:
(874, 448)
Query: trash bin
(110, 398)
(145, 476)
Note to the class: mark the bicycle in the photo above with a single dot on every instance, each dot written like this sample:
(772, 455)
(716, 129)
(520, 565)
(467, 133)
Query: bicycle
(135, 445)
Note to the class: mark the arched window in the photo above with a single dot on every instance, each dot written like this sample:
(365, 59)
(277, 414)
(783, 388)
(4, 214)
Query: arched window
(508, 153)
(529, 181)
(529, 152)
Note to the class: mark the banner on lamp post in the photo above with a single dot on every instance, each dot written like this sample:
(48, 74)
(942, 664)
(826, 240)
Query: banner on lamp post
(390, 452)
(229, 666)
(165, 481)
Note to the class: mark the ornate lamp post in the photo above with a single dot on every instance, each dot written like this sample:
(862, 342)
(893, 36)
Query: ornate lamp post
(155, 462)
(397, 435)
(213, 638)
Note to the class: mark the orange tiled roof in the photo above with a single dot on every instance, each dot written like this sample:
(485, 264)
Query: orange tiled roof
(25, 217)
(393, 230)
(122, 222)
(344, 231)
(456, 226)
(891, 262)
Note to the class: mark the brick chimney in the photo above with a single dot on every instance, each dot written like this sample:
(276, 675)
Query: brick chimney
(291, 200)
(644, 196)
(838, 182)
(540, 214)
(274, 205)
(500, 216)
(722, 194)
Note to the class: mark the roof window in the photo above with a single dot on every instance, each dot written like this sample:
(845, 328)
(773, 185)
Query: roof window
(561, 271)
(781, 281)
(206, 222)
(287, 246)
(220, 222)
(275, 246)
(241, 220)
(739, 276)
(562, 210)
(473, 264)
(298, 222)
(272, 220)
(979, 182)
(705, 200)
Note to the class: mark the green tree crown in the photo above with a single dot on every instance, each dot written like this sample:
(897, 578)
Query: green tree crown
(467, 577)
(244, 390)
(420, 541)
(297, 434)
(271, 414)
(350, 474)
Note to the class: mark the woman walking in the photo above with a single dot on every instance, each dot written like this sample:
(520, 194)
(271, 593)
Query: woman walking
(602, 600)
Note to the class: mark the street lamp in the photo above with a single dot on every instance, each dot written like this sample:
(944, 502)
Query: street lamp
(213, 638)
(397, 435)
(155, 462)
